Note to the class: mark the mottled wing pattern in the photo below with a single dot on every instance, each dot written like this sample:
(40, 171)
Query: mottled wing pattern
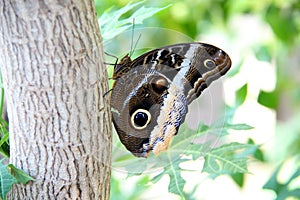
(151, 93)
(196, 64)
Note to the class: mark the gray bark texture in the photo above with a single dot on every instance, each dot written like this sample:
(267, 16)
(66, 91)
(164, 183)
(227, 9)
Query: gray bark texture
(51, 59)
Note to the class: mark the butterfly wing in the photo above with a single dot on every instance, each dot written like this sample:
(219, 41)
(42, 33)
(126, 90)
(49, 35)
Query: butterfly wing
(151, 93)
(197, 65)
(142, 100)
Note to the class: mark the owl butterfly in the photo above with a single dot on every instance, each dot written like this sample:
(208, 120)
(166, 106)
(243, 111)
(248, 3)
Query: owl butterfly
(151, 93)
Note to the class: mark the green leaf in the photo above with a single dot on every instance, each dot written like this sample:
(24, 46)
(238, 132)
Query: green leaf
(283, 190)
(20, 175)
(228, 159)
(269, 99)
(183, 148)
(144, 13)
(176, 181)
(6, 180)
(258, 154)
(238, 179)
(238, 127)
(241, 95)
(4, 138)
(263, 53)
(183, 142)
(156, 178)
(222, 128)
(111, 25)
(288, 195)
(272, 183)
(5, 150)
(282, 21)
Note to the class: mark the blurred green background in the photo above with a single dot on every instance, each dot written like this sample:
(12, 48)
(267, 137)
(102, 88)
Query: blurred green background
(263, 40)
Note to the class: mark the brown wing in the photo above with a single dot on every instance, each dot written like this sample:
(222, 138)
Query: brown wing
(147, 115)
(196, 65)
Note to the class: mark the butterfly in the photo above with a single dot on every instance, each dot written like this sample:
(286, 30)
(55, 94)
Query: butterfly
(151, 94)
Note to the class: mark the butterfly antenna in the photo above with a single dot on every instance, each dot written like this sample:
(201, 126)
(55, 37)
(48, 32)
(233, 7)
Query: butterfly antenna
(132, 48)
(132, 36)
(137, 42)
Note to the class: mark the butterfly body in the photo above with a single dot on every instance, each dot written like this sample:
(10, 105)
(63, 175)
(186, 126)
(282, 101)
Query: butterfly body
(151, 93)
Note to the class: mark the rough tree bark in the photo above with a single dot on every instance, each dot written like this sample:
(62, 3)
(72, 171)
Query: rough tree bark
(52, 64)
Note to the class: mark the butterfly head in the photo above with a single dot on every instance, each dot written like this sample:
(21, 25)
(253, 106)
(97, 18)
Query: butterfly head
(122, 67)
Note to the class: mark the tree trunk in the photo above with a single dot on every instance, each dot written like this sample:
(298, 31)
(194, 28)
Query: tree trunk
(51, 59)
